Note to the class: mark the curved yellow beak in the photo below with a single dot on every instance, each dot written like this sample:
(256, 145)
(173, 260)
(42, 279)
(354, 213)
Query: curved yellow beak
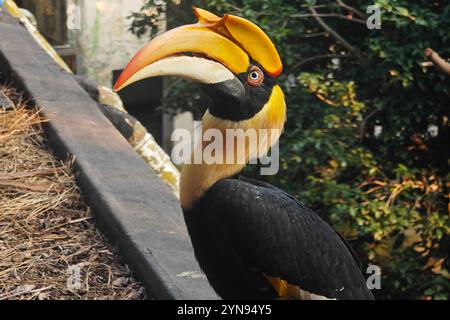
(247, 35)
(230, 41)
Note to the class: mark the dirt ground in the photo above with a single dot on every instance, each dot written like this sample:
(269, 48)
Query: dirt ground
(49, 245)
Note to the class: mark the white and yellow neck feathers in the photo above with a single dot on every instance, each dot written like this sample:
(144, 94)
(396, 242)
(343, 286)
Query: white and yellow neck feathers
(268, 124)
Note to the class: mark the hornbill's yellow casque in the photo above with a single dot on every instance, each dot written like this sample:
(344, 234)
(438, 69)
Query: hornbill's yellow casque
(252, 239)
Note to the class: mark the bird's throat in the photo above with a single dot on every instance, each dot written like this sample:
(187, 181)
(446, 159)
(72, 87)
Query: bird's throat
(267, 125)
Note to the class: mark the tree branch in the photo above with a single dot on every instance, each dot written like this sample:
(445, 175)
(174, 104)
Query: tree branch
(437, 61)
(341, 4)
(338, 37)
(318, 57)
(331, 15)
(311, 35)
(362, 127)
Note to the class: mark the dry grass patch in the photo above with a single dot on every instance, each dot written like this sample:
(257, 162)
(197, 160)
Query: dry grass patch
(48, 239)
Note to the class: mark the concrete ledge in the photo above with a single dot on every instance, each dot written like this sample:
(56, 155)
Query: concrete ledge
(5, 102)
(132, 206)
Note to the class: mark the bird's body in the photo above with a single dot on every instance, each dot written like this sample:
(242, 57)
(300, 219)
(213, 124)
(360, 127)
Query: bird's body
(292, 243)
(252, 240)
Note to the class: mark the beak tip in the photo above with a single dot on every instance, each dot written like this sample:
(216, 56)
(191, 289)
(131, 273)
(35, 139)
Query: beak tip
(119, 83)
(118, 86)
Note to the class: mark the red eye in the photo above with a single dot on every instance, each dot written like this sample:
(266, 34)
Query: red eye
(255, 77)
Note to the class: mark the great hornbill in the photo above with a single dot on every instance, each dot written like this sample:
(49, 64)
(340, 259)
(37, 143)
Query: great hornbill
(253, 240)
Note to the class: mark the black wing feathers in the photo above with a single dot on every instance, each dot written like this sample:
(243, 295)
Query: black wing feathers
(273, 232)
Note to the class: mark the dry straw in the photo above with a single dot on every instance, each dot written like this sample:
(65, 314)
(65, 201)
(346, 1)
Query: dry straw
(48, 240)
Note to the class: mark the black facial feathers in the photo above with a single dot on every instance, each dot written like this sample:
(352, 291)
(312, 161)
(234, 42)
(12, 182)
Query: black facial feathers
(236, 99)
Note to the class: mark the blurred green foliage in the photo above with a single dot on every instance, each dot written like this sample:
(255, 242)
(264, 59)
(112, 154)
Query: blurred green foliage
(360, 145)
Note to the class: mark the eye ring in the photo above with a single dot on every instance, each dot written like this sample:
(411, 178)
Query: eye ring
(255, 77)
